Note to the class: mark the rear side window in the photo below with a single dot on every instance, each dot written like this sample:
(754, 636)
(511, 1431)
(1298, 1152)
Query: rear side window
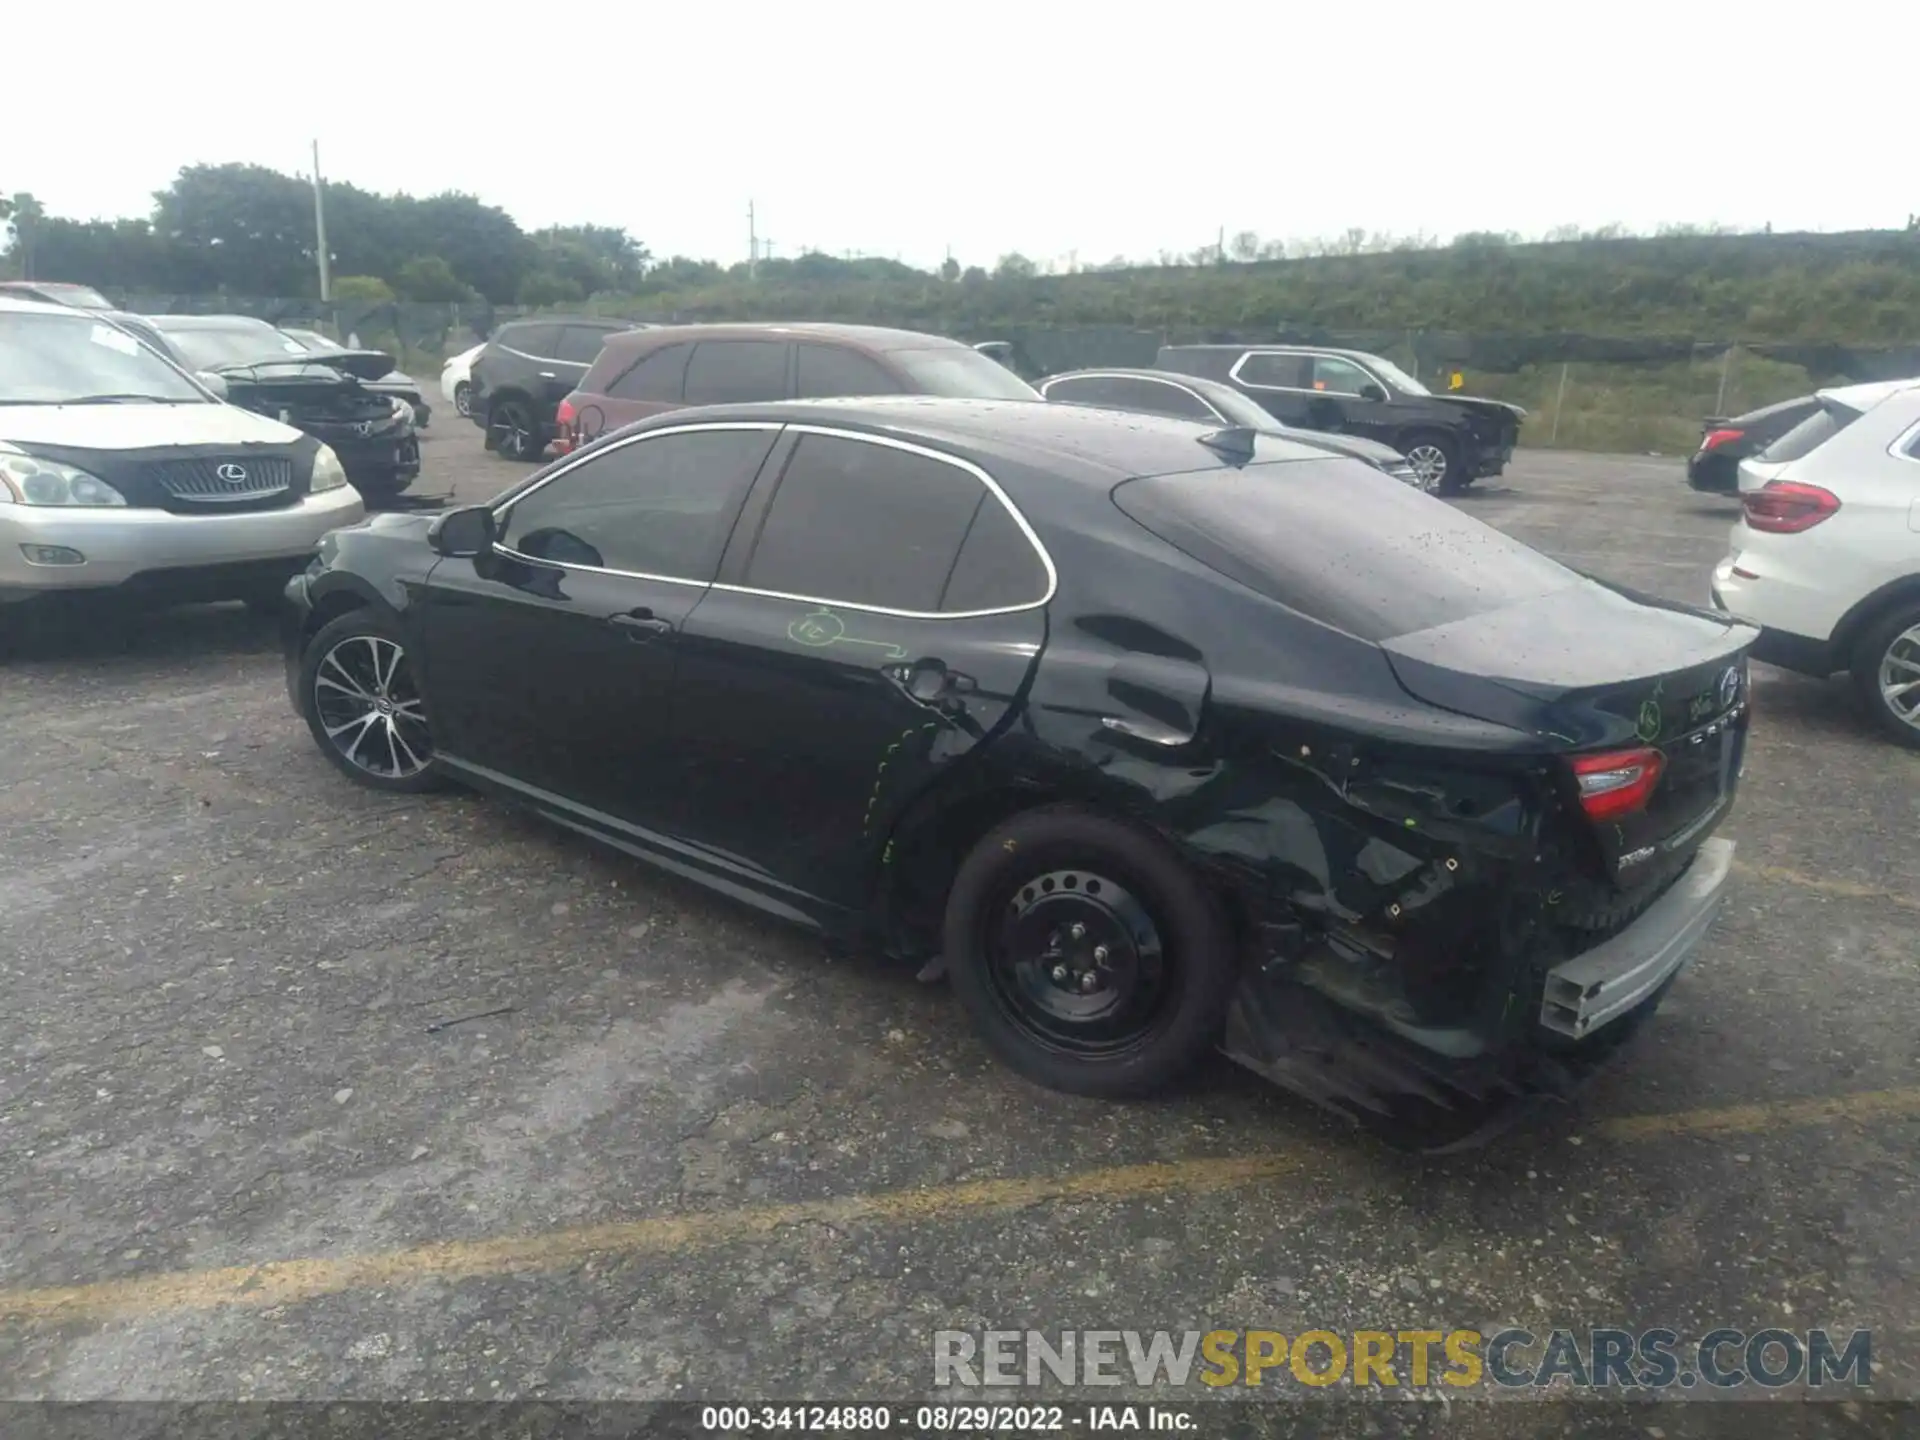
(865, 524)
(1810, 434)
(1286, 371)
(659, 506)
(828, 370)
(536, 340)
(724, 372)
(997, 569)
(659, 376)
(1342, 543)
(580, 344)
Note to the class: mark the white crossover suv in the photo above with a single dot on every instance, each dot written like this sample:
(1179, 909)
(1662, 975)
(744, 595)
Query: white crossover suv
(456, 378)
(120, 471)
(1826, 555)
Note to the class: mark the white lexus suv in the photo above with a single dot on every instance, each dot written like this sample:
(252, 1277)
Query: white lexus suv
(1826, 555)
(120, 471)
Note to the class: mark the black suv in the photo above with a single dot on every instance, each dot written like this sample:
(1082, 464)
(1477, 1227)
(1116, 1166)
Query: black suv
(528, 367)
(1450, 440)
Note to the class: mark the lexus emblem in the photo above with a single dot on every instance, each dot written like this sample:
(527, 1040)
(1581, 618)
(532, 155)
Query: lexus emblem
(1729, 687)
(232, 474)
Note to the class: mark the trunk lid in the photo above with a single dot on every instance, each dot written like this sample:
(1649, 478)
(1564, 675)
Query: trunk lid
(1593, 670)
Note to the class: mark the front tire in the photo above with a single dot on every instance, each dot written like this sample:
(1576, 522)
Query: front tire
(1886, 674)
(1088, 955)
(463, 400)
(1435, 459)
(517, 433)
(363, 706)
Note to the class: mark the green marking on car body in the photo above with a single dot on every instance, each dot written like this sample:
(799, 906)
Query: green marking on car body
(879, 778)
(821, 628)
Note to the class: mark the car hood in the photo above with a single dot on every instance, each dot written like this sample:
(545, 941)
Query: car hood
(139, 427)
(360, 364)
(1485, 407)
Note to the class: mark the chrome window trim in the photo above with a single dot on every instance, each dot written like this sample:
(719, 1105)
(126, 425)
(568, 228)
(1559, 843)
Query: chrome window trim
(1143, 379)
(1234, 373)
(505, 508)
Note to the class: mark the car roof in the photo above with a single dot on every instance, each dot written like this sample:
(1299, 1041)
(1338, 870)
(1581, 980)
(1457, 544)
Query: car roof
(1198, 383)
(612, 322)
(1096, 446)
(206, 322)
(866, 337)
(1864, 397)
(1277, 348)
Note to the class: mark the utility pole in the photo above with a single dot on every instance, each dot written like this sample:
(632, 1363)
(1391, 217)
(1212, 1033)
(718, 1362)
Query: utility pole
(753, 244)
(320, 229)
(1220, 249)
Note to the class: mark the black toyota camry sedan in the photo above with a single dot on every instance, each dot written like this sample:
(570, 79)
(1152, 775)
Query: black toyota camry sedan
(1159, 736)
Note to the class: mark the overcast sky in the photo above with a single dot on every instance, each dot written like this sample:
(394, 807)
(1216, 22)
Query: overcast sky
(1051, 127)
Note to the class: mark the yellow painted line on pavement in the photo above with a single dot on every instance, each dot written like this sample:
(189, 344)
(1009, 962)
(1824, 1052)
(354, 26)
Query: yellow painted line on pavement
(1844, 889)
(281, 1282)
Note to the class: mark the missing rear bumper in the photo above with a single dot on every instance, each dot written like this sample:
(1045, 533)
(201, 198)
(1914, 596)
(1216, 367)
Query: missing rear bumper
(1606, 982)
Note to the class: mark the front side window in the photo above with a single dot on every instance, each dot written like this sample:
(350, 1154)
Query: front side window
(71, 359)
(1334, 376)
(962, 373)
(1284, 372)
(865, 524)
(580, 343)
(824, 371)
(539, 341)
(662, 505)
(727, 372)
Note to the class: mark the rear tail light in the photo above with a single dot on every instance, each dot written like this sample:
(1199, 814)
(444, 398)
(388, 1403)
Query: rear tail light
(1714, 439)
(1617, 782)
(1784, 507)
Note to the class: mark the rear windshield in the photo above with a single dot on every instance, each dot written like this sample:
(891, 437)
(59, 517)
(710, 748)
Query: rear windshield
(1811, 433)
(1342, 543)
(962, 373)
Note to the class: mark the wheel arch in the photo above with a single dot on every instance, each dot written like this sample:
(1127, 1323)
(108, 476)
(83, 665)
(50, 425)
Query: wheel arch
(339, 594)
(1866, 612)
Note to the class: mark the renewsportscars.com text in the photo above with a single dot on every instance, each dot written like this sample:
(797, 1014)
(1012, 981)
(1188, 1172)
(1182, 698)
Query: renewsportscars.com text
(1600, 1358)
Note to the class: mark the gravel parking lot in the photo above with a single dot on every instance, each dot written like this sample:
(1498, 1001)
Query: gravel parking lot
(686, 1154)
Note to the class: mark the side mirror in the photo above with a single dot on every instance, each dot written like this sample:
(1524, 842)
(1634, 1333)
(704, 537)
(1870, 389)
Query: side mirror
(1370, 391)
(462, 533)
(216, 383)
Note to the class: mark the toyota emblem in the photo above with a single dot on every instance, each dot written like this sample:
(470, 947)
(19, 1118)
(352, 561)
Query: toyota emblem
(1729, 687)
(231, 474)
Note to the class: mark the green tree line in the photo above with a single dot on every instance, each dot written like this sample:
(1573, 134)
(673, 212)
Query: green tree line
(246, 231)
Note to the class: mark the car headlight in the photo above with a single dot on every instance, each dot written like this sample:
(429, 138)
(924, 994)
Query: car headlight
(28, 480)
(328, 472)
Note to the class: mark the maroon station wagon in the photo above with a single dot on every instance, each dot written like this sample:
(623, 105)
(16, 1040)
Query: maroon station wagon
(644, 372)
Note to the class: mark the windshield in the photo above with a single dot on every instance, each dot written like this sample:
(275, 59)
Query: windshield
(1395, 376)
(209, 349)
(962, 373)
(313, 340)
(51, 359)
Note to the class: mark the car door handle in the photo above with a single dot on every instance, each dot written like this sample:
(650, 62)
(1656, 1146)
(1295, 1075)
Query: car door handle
(641, 624)
(546, 375)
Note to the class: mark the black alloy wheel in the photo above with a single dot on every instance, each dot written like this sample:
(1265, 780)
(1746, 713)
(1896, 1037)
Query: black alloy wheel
(516, 433)
(1087, 953)
(364, 707)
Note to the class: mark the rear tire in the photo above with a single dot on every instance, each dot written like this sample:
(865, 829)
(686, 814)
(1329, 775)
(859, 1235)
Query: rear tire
(1887, 656)
(517, 434)
(1088, 955)
(1436, 460)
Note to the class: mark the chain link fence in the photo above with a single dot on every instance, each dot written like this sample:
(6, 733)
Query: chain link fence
(1585, 392)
